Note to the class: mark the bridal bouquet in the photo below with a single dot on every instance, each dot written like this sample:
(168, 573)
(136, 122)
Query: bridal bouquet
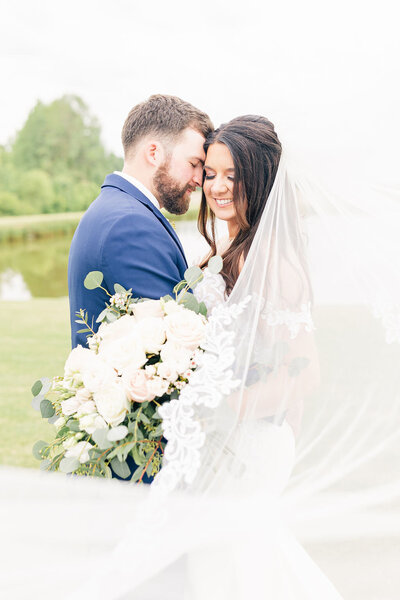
(104, 407)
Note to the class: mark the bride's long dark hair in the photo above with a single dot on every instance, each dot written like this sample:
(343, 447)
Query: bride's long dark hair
(256, 151)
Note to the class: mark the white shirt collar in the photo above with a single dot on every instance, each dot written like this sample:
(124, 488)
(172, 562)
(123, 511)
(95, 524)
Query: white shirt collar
(140, 187)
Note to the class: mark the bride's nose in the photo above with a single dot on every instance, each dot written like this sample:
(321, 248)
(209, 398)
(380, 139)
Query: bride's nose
(218, 186)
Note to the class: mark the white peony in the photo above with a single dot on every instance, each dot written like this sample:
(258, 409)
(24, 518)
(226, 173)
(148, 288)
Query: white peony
(158, 386)
(112, 403)
(176, 355)
(167, 371)
(79, 451)
(152, 334)
(185, 328)
(147, 308)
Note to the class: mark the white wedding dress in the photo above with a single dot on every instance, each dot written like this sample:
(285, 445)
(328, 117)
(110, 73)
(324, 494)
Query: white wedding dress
(262, 559)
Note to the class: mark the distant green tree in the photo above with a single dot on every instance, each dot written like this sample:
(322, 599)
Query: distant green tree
(10, 205)
(63, 137)
(35, 190)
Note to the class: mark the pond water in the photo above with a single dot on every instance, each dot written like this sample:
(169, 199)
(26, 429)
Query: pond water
(38, 268)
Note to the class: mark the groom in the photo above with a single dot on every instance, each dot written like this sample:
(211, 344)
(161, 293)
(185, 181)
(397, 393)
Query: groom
(123, 234)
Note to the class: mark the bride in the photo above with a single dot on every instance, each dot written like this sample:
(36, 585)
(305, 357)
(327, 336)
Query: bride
(288, 424)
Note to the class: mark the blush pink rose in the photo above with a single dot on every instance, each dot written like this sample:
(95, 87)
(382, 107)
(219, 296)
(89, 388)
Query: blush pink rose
(136, 383)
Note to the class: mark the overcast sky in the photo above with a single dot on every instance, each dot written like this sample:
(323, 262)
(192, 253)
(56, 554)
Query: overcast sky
(323, 72)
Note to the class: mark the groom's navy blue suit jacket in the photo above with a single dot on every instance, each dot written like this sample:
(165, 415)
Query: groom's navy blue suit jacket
(123, 235)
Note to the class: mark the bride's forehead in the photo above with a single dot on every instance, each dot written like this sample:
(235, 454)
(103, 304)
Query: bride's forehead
(218, 156)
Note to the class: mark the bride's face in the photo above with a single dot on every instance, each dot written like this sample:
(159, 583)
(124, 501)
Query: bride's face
(218, 182)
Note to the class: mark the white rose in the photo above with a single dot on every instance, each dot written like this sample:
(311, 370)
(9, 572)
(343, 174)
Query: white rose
(86, 408)
(172, 307)
(176, 355)
(122, 327)
(152, 334)
(123, 353)
(99, 375)
(70, 406)
(167, 371)
(158, 386)
(90, 423)
(185, 328)
(83, 395)
(59, 423)
(147, 308)
(78, 361)
(112, 403)
(69, 443)
(79, 451)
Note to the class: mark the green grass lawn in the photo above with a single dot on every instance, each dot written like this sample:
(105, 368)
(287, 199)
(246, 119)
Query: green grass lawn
(35, 341)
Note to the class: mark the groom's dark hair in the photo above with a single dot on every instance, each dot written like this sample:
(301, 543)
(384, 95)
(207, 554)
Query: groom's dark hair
(166, 116)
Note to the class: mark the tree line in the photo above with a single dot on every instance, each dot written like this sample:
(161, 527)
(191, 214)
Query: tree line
(56, 162)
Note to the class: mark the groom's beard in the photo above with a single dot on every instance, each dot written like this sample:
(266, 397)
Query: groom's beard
(172, 196)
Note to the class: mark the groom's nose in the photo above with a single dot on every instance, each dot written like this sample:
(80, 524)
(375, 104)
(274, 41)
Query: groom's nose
(198, 176)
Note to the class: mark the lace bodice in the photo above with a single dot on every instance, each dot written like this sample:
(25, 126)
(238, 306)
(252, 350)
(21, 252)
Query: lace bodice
(211, 290)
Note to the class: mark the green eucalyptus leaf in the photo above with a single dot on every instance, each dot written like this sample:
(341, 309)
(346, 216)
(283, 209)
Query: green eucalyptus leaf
(179, 286)
(167, 298)
(53, 419)
(93, 280)
(45, 464)
(73, 425)
(119, 289)
(203, 309)
(83, 330)
(117, 433)
(37, 448)
(111, 316)
(100, 438)
(68, 465)
(137, 474)
(47, 409)
(102, 315)
(190, 302)
(142, 417)
(193, 275)
(215, 264)
(37, 388)
(137, 456)
(36, 401)
(120, 468)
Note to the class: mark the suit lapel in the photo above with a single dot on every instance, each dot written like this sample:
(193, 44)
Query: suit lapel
(124, 185)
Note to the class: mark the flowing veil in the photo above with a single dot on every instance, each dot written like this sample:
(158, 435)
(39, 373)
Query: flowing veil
(305, 352)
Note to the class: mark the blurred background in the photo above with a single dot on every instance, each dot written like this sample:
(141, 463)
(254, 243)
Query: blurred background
(326, 73)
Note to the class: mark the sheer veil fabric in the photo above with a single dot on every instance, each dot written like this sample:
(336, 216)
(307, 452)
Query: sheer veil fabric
(289, 426)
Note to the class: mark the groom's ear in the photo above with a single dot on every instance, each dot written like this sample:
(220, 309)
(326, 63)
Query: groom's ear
(154, 153)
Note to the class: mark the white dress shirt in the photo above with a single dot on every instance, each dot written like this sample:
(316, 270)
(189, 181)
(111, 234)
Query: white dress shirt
(140, 187)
